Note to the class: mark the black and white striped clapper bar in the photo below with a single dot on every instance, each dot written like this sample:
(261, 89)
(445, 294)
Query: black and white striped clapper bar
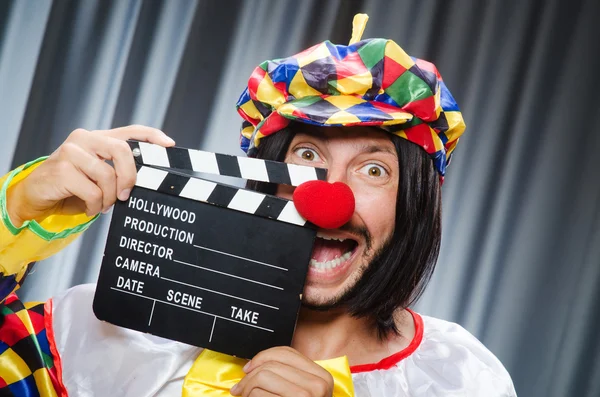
(204, 263)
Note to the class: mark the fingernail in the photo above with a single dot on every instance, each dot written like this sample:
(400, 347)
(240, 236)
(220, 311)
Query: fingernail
(124, 195)
(169, 140)
(246, 367)
(234, 388)
(107, 210)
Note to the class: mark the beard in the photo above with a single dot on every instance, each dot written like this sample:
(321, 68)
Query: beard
(354, 285)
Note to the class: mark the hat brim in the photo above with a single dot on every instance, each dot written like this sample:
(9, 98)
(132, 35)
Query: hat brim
(342, 110)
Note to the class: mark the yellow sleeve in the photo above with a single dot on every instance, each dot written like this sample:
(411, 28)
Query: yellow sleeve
(33, 241)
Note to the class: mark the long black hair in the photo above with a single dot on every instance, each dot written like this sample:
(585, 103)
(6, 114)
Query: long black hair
(400, 271)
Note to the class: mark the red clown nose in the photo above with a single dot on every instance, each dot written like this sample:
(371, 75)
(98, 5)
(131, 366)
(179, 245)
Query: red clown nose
(327, 205)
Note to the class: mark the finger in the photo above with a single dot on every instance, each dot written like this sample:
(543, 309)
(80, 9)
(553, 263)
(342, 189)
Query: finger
(261, 393)
(305, 380)
(288, 356)
(80, 186)
(95, 169)
(269, 382)
(108, 148)
(140, 133)
(124, 167)
(111, 145)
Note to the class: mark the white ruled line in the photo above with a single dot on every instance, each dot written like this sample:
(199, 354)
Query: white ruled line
(193, 310)
(220, 293)
(212, 330)
(152, 312)
(240, 257)
(227, 274)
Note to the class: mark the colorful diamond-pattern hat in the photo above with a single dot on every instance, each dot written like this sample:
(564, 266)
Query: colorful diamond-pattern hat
(370, 83)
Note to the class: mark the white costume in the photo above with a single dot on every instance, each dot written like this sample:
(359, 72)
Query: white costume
(99, 359)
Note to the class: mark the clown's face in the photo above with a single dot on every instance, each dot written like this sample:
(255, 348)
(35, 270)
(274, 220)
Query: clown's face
(366, 160)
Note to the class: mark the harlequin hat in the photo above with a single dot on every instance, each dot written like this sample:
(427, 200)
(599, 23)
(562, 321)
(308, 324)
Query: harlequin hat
(368, 83)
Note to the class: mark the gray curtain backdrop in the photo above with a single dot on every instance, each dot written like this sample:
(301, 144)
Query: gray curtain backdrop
(520, 262)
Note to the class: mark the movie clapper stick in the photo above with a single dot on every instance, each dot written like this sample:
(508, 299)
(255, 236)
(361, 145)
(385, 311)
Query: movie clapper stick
(202, 262)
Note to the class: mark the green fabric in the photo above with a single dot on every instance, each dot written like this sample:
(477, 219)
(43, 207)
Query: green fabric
(398, 92)
(372, 52)
(306, 101)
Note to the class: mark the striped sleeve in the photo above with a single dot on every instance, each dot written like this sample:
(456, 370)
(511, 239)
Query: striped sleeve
(32, 241)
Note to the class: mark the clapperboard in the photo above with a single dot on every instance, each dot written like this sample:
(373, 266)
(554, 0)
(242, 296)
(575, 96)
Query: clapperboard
(202, 262)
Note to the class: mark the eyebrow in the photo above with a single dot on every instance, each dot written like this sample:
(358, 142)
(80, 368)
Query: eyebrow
(377, 149)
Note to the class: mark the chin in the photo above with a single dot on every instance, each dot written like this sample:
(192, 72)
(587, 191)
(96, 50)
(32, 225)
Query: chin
(324, 292)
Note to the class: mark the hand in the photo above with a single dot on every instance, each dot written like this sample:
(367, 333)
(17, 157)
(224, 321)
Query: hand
(283, 371)
(76, 178)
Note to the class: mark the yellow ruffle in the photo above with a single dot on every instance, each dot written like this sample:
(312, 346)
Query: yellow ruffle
(214, 374)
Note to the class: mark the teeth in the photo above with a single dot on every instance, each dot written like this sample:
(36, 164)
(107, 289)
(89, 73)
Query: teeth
(332, 264)
(325, 237)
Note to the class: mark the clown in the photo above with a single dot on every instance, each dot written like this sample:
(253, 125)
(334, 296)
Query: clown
(385, 125)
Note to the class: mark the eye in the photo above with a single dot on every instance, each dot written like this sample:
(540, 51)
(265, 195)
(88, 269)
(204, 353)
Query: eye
(307, 154)
(374, 170)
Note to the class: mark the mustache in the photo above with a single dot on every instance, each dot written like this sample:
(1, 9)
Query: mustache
(360, 230)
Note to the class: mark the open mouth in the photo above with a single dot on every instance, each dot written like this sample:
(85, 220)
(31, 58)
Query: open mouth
(329, 252)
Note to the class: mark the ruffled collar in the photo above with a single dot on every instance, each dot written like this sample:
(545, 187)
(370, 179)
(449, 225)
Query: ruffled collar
(390, 361)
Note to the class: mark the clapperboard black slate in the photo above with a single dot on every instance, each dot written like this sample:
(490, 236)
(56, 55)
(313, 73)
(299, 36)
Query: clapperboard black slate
(204, 263)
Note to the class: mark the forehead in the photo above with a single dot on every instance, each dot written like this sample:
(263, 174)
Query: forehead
(359, 138)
